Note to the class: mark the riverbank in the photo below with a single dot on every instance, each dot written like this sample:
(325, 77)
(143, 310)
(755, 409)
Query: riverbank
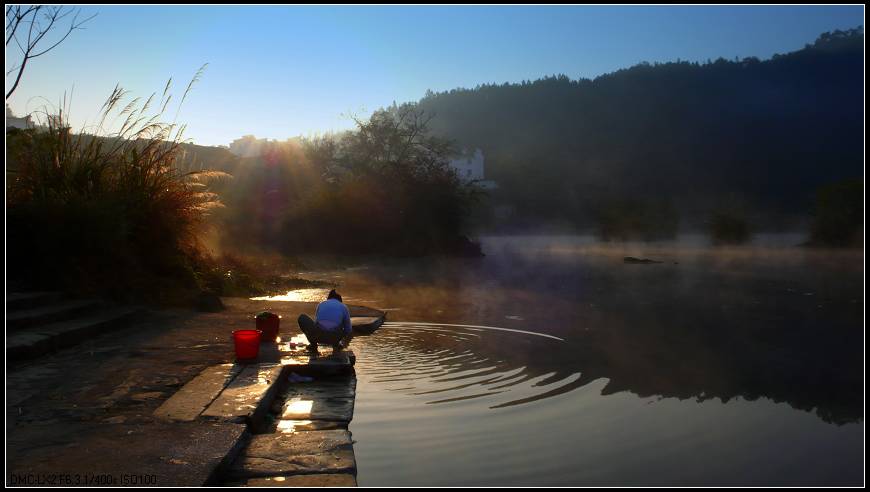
(87, 412)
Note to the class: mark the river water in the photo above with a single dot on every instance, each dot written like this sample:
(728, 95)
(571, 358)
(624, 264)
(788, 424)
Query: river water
(552, 361)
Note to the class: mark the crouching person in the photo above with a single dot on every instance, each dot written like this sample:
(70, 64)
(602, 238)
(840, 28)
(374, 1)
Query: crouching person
(331, 325)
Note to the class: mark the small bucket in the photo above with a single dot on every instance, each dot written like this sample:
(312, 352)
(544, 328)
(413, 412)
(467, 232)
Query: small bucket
(269, 324)
(247, 344)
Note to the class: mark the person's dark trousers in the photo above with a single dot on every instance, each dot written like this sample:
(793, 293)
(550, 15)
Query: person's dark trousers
(316, 334)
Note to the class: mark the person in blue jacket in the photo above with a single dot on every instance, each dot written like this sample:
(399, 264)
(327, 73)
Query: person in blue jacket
(331, 325)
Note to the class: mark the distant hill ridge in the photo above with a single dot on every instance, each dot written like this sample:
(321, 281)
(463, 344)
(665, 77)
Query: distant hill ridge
(766, 133)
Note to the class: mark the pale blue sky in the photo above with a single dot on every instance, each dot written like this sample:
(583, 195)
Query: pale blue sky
(278, 72)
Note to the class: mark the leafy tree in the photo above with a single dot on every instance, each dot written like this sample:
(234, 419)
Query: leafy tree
(386, 188)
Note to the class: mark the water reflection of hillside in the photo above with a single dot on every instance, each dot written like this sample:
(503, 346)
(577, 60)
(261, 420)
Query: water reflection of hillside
(783, 324)
(452, 364)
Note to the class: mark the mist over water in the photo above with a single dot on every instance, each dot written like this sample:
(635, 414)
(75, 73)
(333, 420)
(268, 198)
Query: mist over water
(552, 361)
(625, 358)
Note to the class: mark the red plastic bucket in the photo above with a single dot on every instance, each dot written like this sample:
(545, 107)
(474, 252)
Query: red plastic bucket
(269, 325)
(247, 344)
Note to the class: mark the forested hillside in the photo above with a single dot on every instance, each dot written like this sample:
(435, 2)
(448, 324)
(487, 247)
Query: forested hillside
(675, 140)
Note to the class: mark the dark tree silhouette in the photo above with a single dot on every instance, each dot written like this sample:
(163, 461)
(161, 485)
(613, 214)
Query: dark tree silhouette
(386, 188)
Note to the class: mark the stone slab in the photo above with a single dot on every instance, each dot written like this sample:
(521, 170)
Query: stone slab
(269, 455)
(325, 363)
(290, 426)
(27, 300)
(333, 409)
(324, 387)
(27, 345)
(195, 396)
(162, 454)
(331, 399)
(318, 480)
(248, 397)
(48, 313)
(35, 341)
(70, 332)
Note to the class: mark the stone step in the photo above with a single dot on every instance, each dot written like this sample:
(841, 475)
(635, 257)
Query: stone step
(162, 454)
(317, 480)
(49, 313)
(248, 397)
(195, 396)
(282, 454)
(245, 392)
(28, 300)
(320, 400)
(322, 364)
(40, 340)
(285, 425)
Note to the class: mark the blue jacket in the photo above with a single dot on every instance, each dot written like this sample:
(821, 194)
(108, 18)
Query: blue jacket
(332, 315)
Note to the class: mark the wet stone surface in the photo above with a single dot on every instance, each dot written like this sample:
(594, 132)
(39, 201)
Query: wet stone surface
(268, 455)
(317, 480)
(190, 401)
(327, 399)
(246, 394)
(323, 363)
(168, 454)
(288, 426)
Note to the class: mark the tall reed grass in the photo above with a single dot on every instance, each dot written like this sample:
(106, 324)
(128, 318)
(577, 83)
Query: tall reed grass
(114, 207)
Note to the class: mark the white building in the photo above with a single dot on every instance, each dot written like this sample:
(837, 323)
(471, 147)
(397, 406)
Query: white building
(13, 121)
(249, 146)
(23, 123)
(470, 167)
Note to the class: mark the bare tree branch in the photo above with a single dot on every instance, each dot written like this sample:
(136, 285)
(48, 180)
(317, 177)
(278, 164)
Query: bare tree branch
(40, 26)
(14, 15)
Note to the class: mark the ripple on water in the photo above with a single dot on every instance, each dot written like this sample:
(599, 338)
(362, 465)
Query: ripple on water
(455, 364)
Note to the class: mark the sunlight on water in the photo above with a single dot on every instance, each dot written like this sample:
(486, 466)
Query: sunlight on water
(297, 295)
(299, 406)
